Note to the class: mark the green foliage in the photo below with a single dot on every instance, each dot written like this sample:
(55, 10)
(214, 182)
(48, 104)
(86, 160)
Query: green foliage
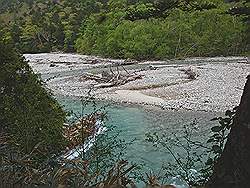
(43, 26)
(150, 29)
(181, 34)
(28, 111)
(140, 11)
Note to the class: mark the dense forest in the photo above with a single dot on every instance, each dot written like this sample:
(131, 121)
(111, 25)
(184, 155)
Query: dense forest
(139, 29)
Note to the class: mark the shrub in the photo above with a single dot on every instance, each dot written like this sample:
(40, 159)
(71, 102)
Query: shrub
(28, 111)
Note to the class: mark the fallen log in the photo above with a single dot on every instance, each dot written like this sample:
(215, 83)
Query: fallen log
(104, 85)
(89, 76)
(118, 82)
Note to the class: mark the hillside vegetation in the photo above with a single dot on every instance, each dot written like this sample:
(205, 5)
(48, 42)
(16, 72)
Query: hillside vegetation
(29, 113)
(140, 29)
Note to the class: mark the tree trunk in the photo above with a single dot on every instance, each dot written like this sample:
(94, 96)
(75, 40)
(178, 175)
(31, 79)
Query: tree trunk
(233, 168)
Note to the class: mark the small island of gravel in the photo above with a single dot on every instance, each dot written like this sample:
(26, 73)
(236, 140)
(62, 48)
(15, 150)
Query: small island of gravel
(217, 86)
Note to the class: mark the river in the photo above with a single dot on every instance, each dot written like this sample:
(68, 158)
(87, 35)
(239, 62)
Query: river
(134, 122)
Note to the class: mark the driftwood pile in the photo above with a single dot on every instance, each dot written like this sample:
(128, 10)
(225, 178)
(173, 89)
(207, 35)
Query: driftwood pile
(190, 72)
(112, 78)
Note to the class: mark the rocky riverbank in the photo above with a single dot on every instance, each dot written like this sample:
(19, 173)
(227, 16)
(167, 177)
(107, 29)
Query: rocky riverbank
(217, 86)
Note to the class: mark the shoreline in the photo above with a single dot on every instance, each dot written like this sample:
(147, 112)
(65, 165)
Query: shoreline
(218, 86)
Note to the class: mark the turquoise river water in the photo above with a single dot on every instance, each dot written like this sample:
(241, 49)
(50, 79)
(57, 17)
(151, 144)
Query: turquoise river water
(133, 122)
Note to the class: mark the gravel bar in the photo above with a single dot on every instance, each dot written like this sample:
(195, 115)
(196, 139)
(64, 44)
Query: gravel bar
(218, 86)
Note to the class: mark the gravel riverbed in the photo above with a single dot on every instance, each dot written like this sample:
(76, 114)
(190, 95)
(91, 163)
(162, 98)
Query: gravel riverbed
(218, 86)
